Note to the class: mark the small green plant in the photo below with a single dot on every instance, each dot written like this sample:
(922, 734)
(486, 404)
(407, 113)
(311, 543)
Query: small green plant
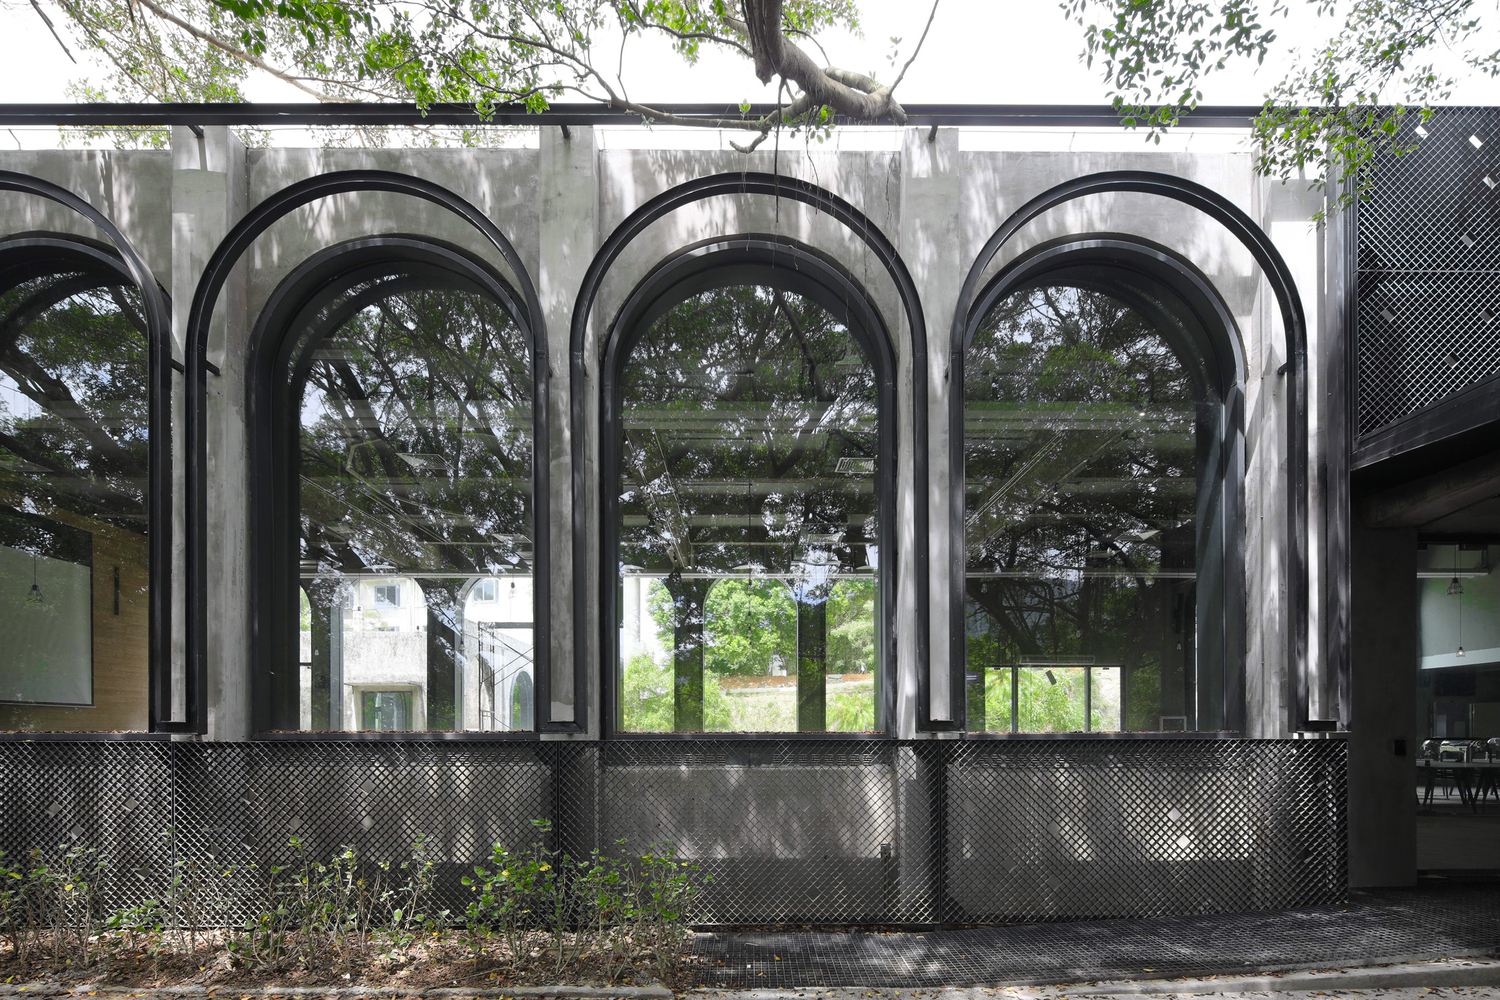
(667, 894)
(536, 909)
(13, 925)
(408, 916)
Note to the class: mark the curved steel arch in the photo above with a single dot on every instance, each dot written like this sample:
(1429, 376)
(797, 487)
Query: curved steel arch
(1294, 324)
(200, 315)
(794, 189)
(158, 450)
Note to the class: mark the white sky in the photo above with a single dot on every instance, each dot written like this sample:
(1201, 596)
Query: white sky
(979, 51)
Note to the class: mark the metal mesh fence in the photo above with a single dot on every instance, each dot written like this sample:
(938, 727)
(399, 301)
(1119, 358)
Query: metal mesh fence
(1429, 267)
(791, 831)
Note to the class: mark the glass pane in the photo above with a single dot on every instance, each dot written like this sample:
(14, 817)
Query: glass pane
(1083, 440)
(1050, 699)
(1104, 700)
(387, 711)
(748, 530)
(74, 441)
(416, 512)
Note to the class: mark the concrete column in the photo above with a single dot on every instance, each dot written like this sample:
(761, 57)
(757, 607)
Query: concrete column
(568, 190)
(209, 195)
(1382, 725)
(930, 245)
(445, 652)
(812, 660)
(688, 599)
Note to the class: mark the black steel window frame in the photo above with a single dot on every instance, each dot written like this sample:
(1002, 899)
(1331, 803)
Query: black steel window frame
(34, 254)
(859, 225)
(275, 424)
(1202, 331)
(1278, 275)
(752, 259)
(200, 317)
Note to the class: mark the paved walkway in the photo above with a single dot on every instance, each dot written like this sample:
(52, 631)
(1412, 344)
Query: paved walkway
(1435, 920)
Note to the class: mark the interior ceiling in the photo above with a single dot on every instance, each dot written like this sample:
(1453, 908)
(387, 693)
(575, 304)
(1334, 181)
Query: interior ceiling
(1482, 518)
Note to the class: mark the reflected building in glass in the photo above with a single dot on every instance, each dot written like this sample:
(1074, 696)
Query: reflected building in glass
(414, 460)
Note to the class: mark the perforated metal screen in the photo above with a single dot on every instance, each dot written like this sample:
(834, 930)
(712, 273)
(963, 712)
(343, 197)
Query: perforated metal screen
(1428, 322)
(791, 831)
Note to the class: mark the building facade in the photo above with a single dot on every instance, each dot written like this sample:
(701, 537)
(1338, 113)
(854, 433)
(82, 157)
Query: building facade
(965, 527)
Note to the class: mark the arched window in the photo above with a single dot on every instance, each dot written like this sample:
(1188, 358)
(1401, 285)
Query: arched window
(747, 505)
(74, 490)
(1095, 511)
(402, 451)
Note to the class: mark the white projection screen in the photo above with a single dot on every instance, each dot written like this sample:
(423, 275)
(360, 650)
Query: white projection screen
(47, 654)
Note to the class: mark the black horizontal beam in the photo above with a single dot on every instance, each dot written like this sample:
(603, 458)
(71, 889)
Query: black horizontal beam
(311, 113)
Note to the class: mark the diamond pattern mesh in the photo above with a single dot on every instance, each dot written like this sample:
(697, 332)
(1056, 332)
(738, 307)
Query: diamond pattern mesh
(1429, 268)
(790, 831)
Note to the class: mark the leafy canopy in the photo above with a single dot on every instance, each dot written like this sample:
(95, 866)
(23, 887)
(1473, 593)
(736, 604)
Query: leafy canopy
(1337, 110)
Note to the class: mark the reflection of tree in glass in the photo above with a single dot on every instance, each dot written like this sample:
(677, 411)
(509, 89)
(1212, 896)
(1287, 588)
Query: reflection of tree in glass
(73, 398)
(1080, 494)
(416, 434)
(737, 406)
(749, 450)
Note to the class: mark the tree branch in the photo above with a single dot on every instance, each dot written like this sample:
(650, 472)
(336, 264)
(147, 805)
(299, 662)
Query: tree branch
(914, 52)
(48, 22)
(225, 47)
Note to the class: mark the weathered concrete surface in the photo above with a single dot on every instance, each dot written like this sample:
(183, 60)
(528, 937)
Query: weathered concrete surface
(208, 198)
(1383, 649)
(130, 188)
(569, 237)
(931, 203)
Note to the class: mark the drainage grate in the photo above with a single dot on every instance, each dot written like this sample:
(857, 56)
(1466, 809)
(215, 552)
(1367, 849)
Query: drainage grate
(1375, 926)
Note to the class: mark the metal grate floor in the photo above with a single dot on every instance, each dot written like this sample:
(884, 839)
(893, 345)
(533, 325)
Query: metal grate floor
(1376, 926)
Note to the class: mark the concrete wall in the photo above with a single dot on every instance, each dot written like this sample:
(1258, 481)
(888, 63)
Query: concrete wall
(1382, 771)
(937, 201)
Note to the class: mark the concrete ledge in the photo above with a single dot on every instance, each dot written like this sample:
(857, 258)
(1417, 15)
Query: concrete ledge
(1448, 972)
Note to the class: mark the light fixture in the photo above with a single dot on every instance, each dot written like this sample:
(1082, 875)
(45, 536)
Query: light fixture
(34, 595)
(1456, 589)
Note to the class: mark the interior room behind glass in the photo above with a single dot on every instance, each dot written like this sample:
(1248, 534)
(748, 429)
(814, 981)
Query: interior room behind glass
(74, 464)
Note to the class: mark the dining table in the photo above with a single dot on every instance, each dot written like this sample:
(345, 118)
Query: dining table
(1474, 779)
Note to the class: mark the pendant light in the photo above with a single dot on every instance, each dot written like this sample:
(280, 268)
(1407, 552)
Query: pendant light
(34, 595)
(1456, 589)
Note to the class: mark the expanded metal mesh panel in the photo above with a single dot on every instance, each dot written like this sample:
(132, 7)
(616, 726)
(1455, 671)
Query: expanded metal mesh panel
(790, 831)
(1072, 828)
(1429, 267)
(1373, 927)
(113, 798)
(242, 803)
